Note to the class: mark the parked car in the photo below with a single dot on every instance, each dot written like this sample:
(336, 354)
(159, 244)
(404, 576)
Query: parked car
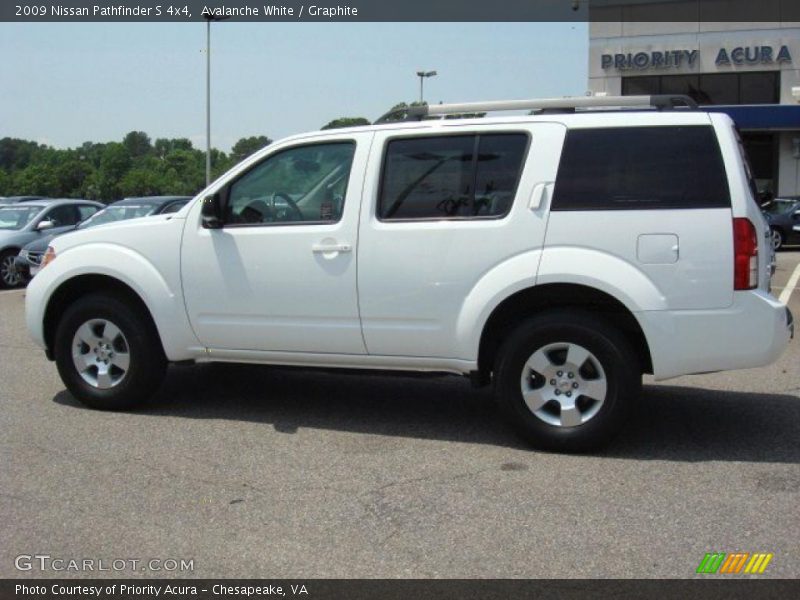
(16, 199)
(22, 223)
(558, 256)
(783, 216)
(29, 259)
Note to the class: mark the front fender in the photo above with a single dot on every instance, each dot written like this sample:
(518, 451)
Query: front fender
(162, 297)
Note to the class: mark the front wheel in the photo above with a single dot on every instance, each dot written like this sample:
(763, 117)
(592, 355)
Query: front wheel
(9, 276)
(567, 381)
(108, 352)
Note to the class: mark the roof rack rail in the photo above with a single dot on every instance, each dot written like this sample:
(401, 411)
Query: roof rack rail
(659, 102)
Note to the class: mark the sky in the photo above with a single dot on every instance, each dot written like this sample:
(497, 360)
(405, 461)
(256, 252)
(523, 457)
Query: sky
(63, 84)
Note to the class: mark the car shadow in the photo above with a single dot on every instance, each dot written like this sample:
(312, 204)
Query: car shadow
(672, 423)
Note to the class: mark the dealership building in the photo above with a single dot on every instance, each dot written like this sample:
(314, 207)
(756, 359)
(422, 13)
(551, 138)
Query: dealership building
(750, 71)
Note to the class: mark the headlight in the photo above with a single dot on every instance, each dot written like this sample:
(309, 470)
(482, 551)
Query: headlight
(49, 256)
(23, 254)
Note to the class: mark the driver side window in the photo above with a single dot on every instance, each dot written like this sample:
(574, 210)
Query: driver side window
(303, 184)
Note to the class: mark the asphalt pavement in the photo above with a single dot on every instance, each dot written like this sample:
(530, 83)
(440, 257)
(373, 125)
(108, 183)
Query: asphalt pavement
(282, 473)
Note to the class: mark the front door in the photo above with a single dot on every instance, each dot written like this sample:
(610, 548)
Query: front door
(280, 275)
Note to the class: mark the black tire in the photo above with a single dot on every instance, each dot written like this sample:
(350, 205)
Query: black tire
(620, 371)
(777, 238)
(147, 363)
(4, 258)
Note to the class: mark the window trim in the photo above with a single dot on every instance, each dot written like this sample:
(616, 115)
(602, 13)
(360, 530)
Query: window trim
(439, 134)
(227, 187)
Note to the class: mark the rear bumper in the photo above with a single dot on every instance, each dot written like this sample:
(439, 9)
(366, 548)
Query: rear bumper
(753, 332)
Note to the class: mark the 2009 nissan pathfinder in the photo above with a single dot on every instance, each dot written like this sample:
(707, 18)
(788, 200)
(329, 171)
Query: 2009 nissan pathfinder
(559, 256)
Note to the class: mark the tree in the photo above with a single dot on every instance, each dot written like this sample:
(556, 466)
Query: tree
(247, 146)
(346, 122)
(163, 146)
(70, 175)
(137, 143)
(36, 179)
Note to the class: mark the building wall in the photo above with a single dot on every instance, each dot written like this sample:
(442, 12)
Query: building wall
(633, 34)
(634, 38)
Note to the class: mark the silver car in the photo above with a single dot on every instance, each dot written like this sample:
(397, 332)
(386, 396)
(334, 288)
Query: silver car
(24, 222)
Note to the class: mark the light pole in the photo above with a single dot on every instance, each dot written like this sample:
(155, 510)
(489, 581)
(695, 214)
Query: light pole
(208, 19)
(422, 75)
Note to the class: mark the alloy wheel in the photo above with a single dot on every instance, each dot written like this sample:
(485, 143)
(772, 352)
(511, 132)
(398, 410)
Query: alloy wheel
(563, 384)
(100, 353)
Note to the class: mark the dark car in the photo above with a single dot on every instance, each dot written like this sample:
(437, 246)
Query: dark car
(783, 215)
(24, 222)
(29, 260)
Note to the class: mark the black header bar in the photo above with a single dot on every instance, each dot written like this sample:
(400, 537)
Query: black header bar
(66, 11)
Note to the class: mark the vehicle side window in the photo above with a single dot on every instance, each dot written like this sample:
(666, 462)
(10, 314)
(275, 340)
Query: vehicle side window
(87, 210)
(455, 176)
(304, 184)
(173, 208)
(63, 216)
(636, 168)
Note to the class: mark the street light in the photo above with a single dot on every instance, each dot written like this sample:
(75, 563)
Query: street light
(422, 75)
(208, 19)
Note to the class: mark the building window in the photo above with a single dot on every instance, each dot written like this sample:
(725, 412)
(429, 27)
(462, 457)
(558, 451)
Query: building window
(710, 88)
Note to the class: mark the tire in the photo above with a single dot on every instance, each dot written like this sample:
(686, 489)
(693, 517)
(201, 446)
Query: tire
(121, 359)
(777, 237)
(9, 278)
(572, 352)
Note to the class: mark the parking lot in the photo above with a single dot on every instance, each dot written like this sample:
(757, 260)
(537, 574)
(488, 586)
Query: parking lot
(274, 472)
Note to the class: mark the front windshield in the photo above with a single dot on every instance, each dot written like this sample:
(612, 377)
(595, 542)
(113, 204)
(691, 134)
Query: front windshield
(17, 217)
(118, 213)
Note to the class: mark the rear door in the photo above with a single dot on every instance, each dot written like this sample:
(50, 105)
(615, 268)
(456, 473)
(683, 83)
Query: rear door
(442, 208)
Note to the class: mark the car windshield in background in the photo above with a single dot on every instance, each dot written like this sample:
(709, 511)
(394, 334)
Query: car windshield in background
(118, 213)
(18, 216)
(779, 207)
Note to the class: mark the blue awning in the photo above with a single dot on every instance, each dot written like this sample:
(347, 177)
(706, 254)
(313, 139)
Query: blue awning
(761, 116)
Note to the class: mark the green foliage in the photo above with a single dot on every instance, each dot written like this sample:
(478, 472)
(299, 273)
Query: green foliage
(110, 171)
(346, 122)
(247, 146)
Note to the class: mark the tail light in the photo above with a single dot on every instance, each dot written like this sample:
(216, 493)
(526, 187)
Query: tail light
(745, 255)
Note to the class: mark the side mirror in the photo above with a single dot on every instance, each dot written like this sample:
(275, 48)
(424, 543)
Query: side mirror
(212, 211)
(44, 225)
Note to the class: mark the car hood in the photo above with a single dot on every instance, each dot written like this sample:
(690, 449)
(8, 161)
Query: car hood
(130, 232)
(40, 244)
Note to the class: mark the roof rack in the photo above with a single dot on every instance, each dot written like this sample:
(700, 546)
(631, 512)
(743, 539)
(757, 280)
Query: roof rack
(567, 104)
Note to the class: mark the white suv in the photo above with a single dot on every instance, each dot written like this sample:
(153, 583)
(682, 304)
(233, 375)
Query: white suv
(559, 256)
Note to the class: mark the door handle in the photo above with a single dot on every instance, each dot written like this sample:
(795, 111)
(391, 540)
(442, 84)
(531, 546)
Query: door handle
(541, 192)
(327, 248)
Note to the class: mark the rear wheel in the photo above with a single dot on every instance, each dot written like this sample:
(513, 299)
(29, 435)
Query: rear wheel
(567, 381)
(777, 238)
(9, 276)
(108, 353)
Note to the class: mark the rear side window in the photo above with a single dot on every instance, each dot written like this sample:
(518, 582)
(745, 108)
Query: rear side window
(636, 168)
(451, 177)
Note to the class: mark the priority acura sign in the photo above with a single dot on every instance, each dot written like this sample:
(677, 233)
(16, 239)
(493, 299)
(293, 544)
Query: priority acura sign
(666, 59)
